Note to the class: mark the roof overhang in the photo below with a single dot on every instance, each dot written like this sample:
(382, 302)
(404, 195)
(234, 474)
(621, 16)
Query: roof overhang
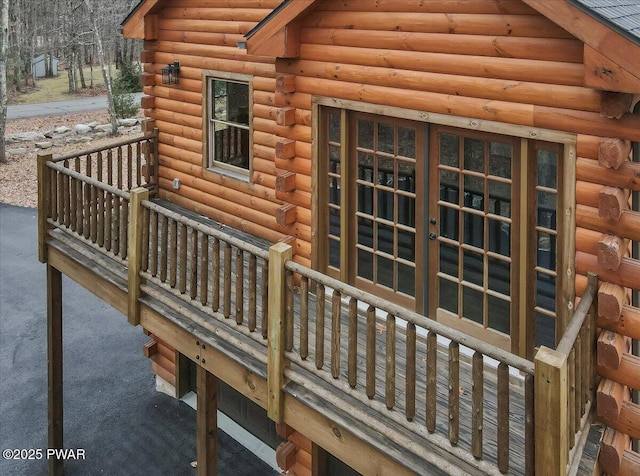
(278, 34)
(611, 59)
(134, 25)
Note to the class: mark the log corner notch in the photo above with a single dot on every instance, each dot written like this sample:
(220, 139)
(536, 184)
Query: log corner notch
(611, 250)
(611, 299)
(612, 153)
(612, 201)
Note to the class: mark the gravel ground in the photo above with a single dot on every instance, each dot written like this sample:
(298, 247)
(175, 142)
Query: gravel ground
(18, 177)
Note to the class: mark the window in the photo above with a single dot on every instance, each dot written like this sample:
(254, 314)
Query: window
(228, 113)
(462, 225)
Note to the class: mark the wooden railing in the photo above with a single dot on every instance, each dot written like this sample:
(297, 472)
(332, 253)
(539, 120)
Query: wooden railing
(401, 373)
(564, 390)
(217, 274)
(392, 365)
(86, 195)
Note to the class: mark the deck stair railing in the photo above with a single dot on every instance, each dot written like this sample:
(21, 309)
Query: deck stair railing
(475, 403)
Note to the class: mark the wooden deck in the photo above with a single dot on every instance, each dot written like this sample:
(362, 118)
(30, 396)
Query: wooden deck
(345, 364)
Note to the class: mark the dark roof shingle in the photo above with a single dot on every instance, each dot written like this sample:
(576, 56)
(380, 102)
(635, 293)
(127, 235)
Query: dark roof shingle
(622, 16)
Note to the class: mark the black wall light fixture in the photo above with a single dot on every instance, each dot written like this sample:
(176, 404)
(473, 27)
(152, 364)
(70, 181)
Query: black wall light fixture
(170, 73)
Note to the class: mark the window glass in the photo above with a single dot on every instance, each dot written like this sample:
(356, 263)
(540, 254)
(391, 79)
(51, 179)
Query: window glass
(228, 132)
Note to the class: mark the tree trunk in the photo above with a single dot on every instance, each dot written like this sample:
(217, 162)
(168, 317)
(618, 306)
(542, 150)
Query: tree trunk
(104, 67)
(4, 31)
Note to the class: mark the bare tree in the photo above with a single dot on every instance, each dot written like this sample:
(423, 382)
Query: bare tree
(106, 75)
(4, 32)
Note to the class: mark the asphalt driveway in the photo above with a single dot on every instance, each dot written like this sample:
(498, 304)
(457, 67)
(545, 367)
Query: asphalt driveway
(111, 409)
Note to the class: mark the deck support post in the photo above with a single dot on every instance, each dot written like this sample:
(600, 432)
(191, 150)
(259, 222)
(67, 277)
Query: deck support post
(44, 200)
(134, 254)
(54, 366)
(207, 422)
(279, 254)
(551, 411)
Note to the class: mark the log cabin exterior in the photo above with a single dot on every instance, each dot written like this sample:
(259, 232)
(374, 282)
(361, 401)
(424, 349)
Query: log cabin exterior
(357, 215)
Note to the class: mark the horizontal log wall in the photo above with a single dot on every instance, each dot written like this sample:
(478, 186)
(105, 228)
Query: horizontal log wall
(486, 59)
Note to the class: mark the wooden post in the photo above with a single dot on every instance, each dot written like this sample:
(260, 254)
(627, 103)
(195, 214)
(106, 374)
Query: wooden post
(551, 418)
(54, 365)
(207, 422)
(279, 254)
(136, 225)
(44, 198)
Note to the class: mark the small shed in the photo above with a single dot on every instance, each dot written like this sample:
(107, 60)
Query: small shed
(39, 66)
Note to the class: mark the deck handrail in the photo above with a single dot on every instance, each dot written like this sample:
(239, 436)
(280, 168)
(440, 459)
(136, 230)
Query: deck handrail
(113, 145)
(467, 340)
(572, 331)
(88, 180)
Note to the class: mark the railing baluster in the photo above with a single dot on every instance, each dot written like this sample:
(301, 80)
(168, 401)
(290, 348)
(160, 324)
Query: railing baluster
(572, 407)
(265, 298)
(226, 304)
(173, 253)
(353, 343)
(182, 263)
(73, 204)
(253, 291)
(193, 274)
(304, 317)
(503, 418)
(124, 235)
(110, 167)
(336, 310)
(432, 375)
(129, 167)
(454, 392)
(108, 219)
(410, 388)
(215, 276)
(288, 311)
(138, 165)
(371, 352)
(240, 286)
(86, 206)
(145, 239)
(164, 237)
(529, 428)
(320, 302)
(390, 361)
(65, 195)
(93, 192)
(115, 236)
(54, 180)
(119, 170)
(153, 225)
(477, 407)
(204, 269)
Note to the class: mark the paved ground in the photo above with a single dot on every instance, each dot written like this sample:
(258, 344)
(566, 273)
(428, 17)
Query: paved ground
(21, 111)
(111, 409)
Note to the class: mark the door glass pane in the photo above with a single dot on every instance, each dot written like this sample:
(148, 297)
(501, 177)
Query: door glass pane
(500, 159)
(385, 238)
(448, 295)
(472, 304)
(384, 272)
(386, 174)
(365, 134)
(474, 192)
(449, 150)
(449, 260)
(407, 142)
(499, 276)
(449, 223)
(473, 154)
(365, 199)
(334, 253)
(385, 205)
(499, 237)
(406, 245)
(406, 210)
(546, 292)
(547, 168)
(500, 198)
(365, 232)
(365, 265)
(449, 186)
(406, 279)
(545, 331)
(499, 313)
(473, 229)
(473, 267)
(385, 138)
